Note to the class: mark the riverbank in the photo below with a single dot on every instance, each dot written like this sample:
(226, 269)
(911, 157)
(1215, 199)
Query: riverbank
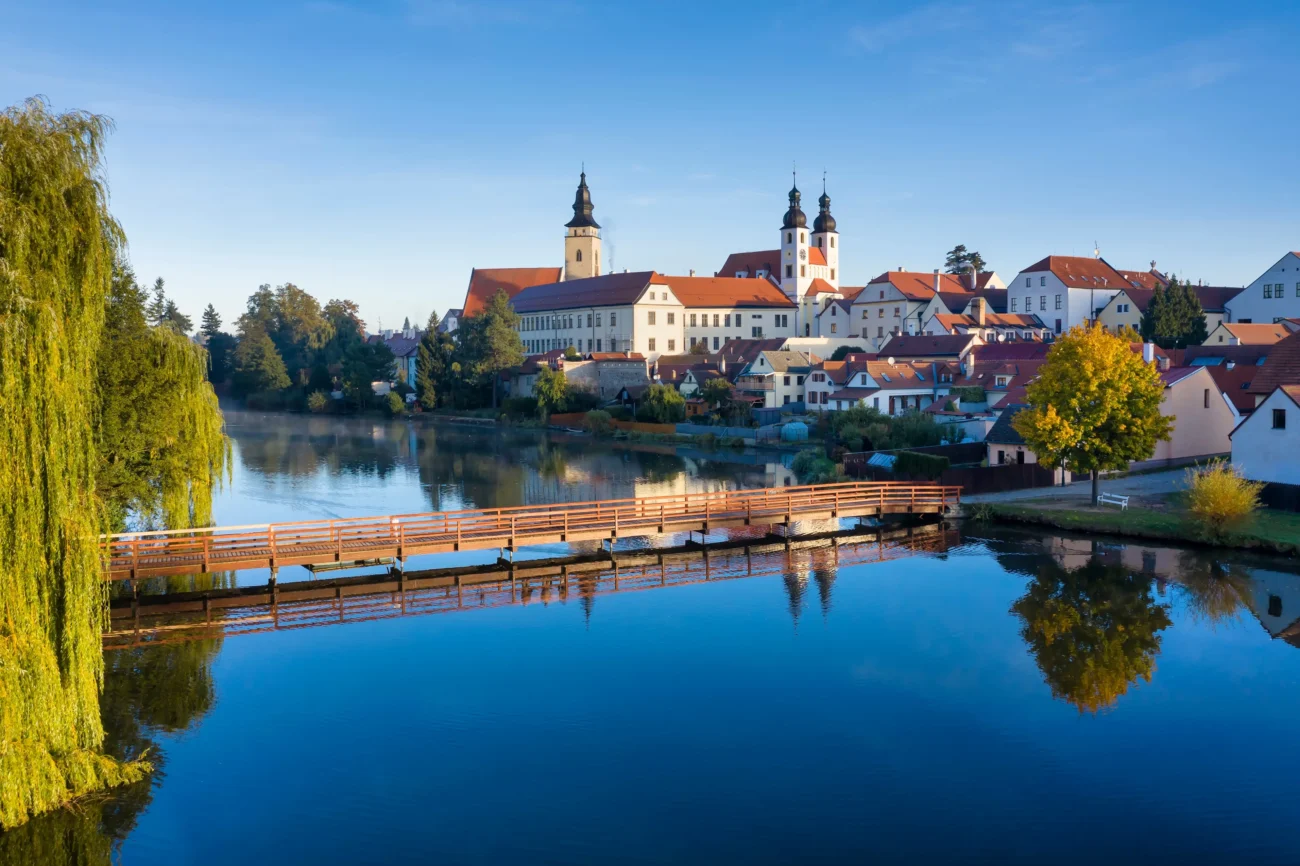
(1157, 518)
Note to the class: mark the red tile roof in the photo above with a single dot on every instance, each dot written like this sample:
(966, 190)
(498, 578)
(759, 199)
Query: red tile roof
(1081, 272)
(599, 291)
(1174, 375)
(751, 263)
(727, 291)
(1281, 368)
(816, 256)
(819, 286)
(851, 292)
(1252, 334)
(919, 286)
(485, 282)
(616, 356)
(924, 346)
(1144, 279)
(1019, 351)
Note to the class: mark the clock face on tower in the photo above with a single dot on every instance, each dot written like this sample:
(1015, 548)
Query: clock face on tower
(803, 254)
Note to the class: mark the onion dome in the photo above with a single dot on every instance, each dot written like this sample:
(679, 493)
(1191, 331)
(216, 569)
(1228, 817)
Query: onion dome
(582, 207)
(824, 222)
(794, 217)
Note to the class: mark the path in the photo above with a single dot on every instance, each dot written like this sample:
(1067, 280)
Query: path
(1151, 484)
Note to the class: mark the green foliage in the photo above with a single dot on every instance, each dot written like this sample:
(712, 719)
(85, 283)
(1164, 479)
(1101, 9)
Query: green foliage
(433, 366)
(489, 345)
(221, 351)
(211, 322)
(176, 320)
(518, 408)
(970, 394)
(363, 365)
(318, 402)
(661, 405)
(844, 351)
(917, 464)
(960, 261)
(160, 444)
(58, 246)
(393, 404)
(1219, 498)
(1174, 318)
(581, 400)
(1093, 631)
(256, 366)
(716, 391)
(296, 324)
(1095, 405)
(814, 467)
(571, 354)
(863, 428)
(551, 390)
(598, 421)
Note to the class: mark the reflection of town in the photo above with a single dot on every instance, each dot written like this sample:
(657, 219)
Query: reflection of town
(465, 467)
(1093, 611)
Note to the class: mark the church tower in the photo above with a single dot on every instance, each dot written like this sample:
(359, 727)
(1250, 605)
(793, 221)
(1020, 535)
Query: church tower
(795, 277)
(826, 238)
(582, 241)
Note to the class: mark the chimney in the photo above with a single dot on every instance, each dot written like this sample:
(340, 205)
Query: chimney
(692, 272)
(936, 279)
(1148, 352)
(978, 304)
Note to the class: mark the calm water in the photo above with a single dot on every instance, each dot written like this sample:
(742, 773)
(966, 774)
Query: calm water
(1019, 698)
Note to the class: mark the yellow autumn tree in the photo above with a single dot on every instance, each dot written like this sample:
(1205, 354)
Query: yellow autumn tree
(1095, 405)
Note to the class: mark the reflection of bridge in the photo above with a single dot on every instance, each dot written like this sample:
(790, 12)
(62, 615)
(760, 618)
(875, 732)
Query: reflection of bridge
(174, 617)
(192, 551)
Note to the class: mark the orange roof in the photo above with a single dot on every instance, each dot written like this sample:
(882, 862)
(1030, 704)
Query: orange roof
(1144, 279)
(1250, 334)
(726, 292)
(816, 256)
(991, 320)
(819, 286)
(751, 263)
(918, 286)
(851, 292)
(1081, 272)
(1282, 367)
(485, 282)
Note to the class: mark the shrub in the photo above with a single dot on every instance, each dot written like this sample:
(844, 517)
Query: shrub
(318, 402)
(814, 467)
(516, 408)
(598, 421)
(661, 405)
(969, 394)
(924, 465)
(393, 404)
(581, 400)
(1219, 498)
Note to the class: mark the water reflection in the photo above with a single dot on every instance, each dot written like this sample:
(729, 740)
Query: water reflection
(1093, 630)
(148, 692)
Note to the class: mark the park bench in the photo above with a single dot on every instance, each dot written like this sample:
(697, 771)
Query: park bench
(1113, 499)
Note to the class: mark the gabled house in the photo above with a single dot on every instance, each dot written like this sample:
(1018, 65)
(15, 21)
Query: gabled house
(486, 282)
(1233, 368)
(1203, 417)
(1266, 445)
(1065, 291)
(1247, 334)
(1281, 367)
(891, 388)
(1125, 309)
(777, 378)
(950, 348)
(1275, 294)
(989, 326)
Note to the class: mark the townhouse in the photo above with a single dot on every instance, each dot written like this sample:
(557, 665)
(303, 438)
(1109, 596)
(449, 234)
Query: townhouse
(1273, 295)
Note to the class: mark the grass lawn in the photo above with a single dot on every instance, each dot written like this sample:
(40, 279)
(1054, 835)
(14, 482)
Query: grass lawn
(1159, 517)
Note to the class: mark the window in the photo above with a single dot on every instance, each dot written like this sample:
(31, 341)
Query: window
(1042, 302)
(671, 318)
(589, 320)
(880, 332)
(803, 270)
(598, 320)
(1001, 381)
(672, 345)
(1042, 281)
(692, 320)
(819, 243)
(880, 313)
(589, 344)
(789, 270)
(1297, 290)
(833, 247)
(1013, 305)
(1002, 457)
(789, 236)
(803, 238)
(597, 344)
(832, 273)
(611, 320)
(1029, 281)
(1279, 419)
(756, 332)
(833, 329)
(1268, 290)
(579, 255)
(715, 344)
(727, 320)
(715, 320)
(787, 380)
(1058, 302)
(895, 312)
(1207, 398)
(652, 344)
(1277, 291)
(651, 314)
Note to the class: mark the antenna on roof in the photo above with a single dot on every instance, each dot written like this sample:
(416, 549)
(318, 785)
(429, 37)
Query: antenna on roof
(1096, 250)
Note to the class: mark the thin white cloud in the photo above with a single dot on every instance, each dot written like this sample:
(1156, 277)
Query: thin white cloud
(921, 23)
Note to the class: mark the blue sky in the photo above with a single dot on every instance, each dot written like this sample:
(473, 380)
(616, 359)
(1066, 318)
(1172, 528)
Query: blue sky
(379, 150)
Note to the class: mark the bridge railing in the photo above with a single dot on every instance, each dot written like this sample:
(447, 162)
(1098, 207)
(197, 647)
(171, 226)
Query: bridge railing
(614, 517)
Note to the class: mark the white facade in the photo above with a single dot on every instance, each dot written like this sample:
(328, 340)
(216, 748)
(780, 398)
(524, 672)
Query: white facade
(1274, 295)
(1266, 446)
(651, 326)
(1058, 306)
(717, 326)
(880, 311)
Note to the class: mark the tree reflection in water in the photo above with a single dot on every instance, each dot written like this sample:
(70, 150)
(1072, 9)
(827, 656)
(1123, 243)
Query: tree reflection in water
(1092, 630)
(163, 688)
(1215, 592)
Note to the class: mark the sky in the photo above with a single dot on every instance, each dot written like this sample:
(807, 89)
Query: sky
(379, 150)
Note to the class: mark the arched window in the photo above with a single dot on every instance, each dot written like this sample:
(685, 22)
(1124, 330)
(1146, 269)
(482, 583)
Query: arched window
(789, 236)
(832, 242)
(579, 255)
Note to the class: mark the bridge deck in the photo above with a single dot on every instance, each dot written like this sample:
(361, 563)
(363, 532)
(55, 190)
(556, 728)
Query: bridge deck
(149, 554)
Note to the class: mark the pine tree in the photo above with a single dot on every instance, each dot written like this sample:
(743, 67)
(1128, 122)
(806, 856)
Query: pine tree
(175, 320)
(960, 260)
(211, 322)
(406, 324)
(1174, 318)
(490, 345)
(433, 366)
(156, 312)
(257, 367)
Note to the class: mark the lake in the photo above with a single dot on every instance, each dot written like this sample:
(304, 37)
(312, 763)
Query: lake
(986, 696)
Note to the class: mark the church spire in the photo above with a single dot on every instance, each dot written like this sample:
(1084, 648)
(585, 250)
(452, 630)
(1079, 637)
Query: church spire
(794, 217)
(824, 222)
(582, 206)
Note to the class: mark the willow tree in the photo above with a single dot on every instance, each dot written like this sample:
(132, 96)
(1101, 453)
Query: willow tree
(58, 245)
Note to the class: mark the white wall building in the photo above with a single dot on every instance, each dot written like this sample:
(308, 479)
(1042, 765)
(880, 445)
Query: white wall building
(1266, 445)
(1275, 294)
(629, 312)
(1065, 291)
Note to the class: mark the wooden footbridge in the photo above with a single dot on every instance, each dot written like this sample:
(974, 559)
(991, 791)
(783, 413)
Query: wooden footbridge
(148, 554)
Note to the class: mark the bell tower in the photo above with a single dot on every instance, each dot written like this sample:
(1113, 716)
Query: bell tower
(826, 238)
(794, 249)
(582, 240)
